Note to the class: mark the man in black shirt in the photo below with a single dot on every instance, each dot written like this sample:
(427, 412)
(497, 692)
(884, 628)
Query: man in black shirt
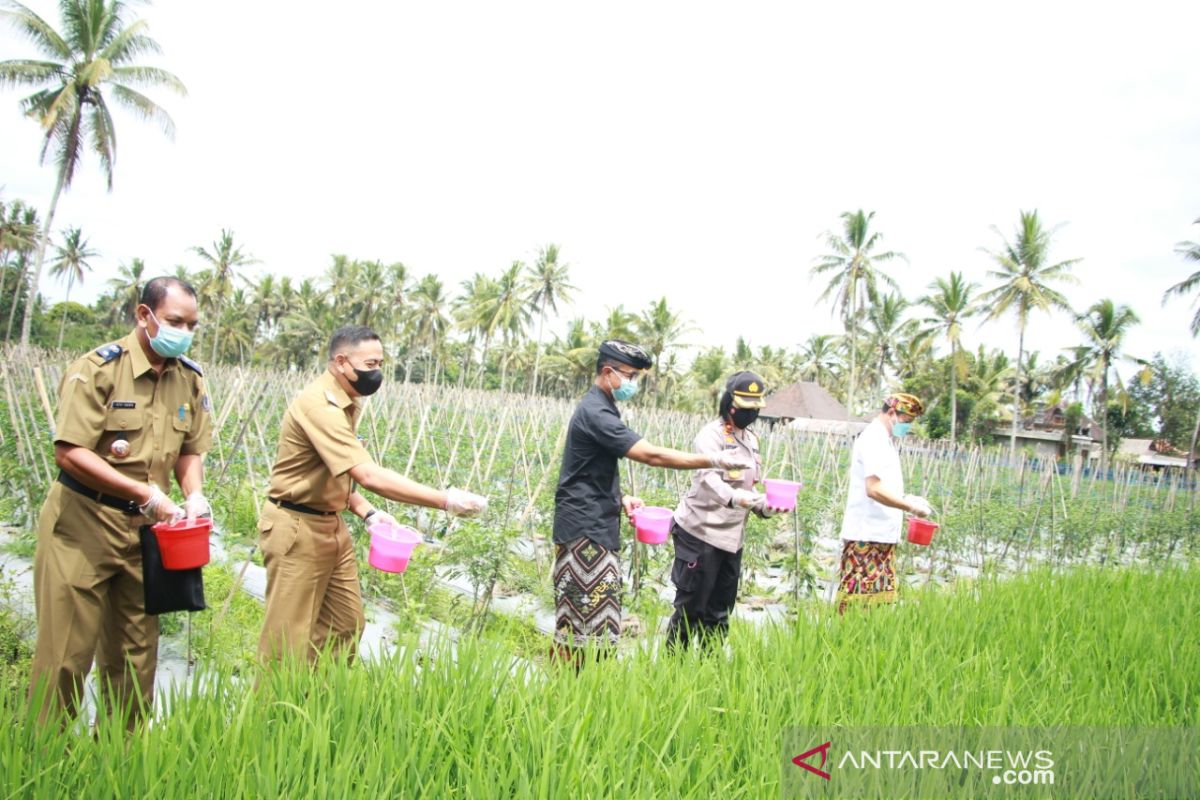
(588, 502)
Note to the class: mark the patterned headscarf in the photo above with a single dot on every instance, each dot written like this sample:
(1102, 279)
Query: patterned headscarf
(905, 403)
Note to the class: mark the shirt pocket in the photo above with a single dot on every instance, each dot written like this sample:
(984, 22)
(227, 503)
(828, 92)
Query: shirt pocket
(119, 420)
(182, 423)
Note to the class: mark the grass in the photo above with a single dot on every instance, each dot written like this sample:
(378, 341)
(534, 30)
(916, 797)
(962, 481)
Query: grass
(1081, 647)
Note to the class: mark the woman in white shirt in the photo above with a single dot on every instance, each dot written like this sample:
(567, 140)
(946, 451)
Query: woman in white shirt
(875, 506)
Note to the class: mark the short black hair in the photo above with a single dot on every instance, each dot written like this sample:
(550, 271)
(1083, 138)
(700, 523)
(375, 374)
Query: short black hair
(155, 290)
(348, 336)
(603, 362)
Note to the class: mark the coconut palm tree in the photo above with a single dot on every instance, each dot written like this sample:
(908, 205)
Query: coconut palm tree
(820, 359)
(549, 285)
(126, 290)
(341, 276)
(90, 62)
(887, 328)
(855, 278)
(1105, 326)
(989, 383)
(71, 259)
(509, 312)
(660, 329)
(18, 235)
(305, 325)
(370, 291)
(951, 302)
(225, 261)
(619, 324)
(1024, 273)
(431, 322)
(1190, 252)
(396, 297)
(573, 358)
(472, 311)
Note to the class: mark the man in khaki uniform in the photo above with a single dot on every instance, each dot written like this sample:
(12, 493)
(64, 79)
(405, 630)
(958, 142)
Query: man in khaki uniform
(313, 596)
(129, 415)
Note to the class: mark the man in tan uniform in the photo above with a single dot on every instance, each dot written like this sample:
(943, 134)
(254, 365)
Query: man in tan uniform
(313, 596)
(129, 415)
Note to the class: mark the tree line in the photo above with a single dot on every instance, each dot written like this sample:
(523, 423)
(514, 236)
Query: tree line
(490, 330)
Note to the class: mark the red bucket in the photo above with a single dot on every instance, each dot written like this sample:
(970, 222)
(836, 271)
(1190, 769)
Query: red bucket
(920, 531)
(183, 546)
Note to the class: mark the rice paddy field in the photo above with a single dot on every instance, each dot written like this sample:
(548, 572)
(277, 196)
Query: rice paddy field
(1050, 598)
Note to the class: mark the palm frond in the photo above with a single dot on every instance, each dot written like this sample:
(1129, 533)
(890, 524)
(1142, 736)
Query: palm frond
(104, 138)
(26, 72)
(35, 29)
(144, 107)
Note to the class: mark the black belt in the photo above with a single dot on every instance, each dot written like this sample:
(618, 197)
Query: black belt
(303, 509)
(128, 506)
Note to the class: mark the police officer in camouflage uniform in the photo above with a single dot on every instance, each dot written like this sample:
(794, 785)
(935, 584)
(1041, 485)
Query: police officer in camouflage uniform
(130, 414)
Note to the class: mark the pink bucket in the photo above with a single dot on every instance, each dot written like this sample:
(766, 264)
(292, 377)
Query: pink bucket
(391, 546)
(781, 494)
(653, 523)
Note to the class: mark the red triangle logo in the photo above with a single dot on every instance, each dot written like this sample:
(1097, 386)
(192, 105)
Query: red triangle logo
(802, 759)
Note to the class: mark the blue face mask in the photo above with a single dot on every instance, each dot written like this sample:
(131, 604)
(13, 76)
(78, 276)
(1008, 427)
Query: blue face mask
(626, 390)
(900, 429)
(170, 342)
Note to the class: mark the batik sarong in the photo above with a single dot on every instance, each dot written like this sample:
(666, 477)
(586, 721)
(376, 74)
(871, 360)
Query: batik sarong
(587, 594)
(868, 574)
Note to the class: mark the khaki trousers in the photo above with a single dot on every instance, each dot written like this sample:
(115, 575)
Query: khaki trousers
(313, 596)
(90, 603)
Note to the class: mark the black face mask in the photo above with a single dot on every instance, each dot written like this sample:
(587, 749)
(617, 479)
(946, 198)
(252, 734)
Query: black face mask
(744, 417)
(368, 381)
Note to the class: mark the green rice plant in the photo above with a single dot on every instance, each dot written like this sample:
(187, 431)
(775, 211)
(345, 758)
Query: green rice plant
(1084, 647)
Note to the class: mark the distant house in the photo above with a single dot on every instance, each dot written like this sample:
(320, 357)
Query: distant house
(807, 406)
(1157, 454)
(1044, 432)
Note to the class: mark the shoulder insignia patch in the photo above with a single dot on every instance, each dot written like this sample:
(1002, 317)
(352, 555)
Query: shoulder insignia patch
(192, 365)
(109, 351)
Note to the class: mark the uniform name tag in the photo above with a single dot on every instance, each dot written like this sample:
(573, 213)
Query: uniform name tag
(124, 404)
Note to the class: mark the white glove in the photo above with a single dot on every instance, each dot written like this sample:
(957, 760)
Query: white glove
(375, 515)
(461, 503)
(730, 459)
(196, 505)
(762, 508)
(918, 506)
(745, 498)
(159, 507)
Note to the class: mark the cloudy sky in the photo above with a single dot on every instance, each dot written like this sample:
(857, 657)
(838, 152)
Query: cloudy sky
(690, 150)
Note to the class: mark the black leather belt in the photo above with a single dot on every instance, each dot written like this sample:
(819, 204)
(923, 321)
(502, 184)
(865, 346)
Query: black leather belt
(303, 509)
(128, 506)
